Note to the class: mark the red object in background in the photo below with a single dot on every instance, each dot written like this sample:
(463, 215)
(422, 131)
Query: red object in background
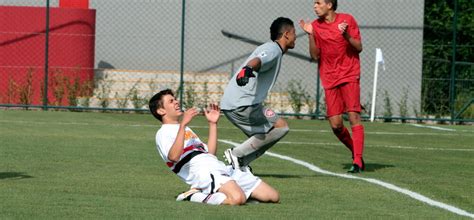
(84, 4)
(22, 53)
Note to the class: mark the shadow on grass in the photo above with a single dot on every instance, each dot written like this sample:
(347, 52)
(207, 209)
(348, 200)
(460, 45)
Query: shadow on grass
(370, 167)
(14, 175)
(283, 176)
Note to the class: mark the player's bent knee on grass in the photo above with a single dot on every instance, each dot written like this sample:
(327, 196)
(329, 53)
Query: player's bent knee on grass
(265, 193)
(235, 195)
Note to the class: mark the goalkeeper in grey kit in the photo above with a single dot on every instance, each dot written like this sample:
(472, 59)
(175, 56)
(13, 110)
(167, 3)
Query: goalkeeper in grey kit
(242, 102)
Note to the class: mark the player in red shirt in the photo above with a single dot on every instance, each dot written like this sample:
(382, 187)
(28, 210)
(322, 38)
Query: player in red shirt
(334, 40)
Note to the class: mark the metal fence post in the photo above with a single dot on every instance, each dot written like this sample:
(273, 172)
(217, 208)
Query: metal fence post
(181, 71)
(46, 59)
(452, 88)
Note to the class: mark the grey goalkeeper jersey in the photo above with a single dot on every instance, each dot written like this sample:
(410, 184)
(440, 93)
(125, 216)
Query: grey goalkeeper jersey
(257, 89)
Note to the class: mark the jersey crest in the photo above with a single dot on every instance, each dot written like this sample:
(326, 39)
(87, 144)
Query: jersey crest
(269, 113)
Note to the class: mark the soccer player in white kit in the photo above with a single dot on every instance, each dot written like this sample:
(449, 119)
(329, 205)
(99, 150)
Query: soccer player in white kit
(194, 162)
(242, 102)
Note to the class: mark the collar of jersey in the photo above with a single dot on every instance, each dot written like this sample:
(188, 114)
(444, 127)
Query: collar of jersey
(279, 46)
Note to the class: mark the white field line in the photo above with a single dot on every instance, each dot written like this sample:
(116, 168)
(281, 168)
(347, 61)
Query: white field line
(390, 186)
(367, 132)
(379, 146)
(282, 142)
(291, 130)
(432, 127)
(78, 123)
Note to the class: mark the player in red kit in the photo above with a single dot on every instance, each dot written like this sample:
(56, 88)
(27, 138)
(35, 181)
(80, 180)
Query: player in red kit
(335, 41)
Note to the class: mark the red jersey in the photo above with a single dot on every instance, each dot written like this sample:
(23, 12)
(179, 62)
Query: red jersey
(339, 61)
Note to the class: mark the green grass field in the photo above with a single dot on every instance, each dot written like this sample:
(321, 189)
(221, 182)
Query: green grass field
(105, 165)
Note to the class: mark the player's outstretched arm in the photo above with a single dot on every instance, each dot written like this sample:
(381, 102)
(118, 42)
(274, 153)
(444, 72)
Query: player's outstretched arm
(313, 49)
(177, 149)
(212, 113)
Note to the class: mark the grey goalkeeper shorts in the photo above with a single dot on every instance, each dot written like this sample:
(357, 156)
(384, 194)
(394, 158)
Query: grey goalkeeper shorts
(253, 119)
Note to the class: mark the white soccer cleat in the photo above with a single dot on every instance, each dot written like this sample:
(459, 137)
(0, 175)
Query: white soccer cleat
(186, 196)
(231, 159)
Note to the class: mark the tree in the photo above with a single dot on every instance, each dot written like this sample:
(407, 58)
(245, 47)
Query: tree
(438, 52)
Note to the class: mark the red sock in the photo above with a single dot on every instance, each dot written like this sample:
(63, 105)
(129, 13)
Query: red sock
(358, 138)
(346, 139)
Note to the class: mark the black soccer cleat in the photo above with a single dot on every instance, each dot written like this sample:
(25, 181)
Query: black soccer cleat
(354, 169)
(363, 163)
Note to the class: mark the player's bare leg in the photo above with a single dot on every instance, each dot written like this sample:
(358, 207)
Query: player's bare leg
(235, 195)
(265, 193)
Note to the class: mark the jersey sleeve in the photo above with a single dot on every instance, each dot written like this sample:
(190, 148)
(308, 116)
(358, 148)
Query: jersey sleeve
(164, 142)
(266, 56)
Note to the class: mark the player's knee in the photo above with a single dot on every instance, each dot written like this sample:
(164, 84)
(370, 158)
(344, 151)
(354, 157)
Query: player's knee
(337, 128)
(281, 123)
(271, 196)
(237, 199)
(354, 118)
(274, 197)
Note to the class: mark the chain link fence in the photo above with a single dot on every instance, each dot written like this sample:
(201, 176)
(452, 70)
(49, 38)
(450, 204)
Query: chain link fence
(448, 67)
(114, 55)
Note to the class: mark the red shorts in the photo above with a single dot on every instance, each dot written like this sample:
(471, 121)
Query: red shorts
(343, 98)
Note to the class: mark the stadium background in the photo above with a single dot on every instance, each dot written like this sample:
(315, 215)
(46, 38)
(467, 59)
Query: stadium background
(138, 47)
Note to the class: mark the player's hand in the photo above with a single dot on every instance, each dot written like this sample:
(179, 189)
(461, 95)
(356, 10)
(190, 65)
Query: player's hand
(343, 27)
(244, 75)
(306, 26)
(189, 115)
(212, 113)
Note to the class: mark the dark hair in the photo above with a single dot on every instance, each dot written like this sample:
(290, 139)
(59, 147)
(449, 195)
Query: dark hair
(278, 26)
(333, 2)
(156, 102)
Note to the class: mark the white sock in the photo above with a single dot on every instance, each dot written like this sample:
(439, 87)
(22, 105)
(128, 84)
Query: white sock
(212, 199)
(255, 146)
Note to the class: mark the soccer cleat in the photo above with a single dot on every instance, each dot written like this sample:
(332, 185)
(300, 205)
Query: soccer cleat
(363, 164)
(231, 159)
(354, 169)
(186, 196)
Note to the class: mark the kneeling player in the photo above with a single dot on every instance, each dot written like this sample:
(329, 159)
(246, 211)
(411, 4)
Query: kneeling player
(211, 181)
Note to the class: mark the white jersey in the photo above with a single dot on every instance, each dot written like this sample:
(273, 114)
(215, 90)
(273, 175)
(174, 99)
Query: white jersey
(166, 136)
(257, 89)
(203, 171)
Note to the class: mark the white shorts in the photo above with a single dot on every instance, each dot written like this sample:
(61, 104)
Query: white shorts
(207, 173)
